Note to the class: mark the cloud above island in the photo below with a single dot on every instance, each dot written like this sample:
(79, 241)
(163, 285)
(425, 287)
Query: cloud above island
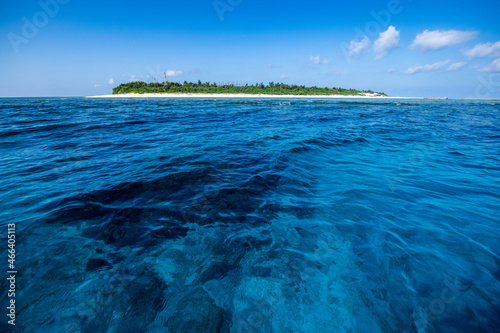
(457, 65)
(134, 78)
(171, 73)
(387, 41)
(437, 39)
(483, 50)
(357, 48)
(317, 60)
(494, 67)
(427, 68)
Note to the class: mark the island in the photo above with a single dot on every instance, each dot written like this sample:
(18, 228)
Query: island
(275, 89)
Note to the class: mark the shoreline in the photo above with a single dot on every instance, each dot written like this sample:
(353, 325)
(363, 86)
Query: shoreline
(201, 95)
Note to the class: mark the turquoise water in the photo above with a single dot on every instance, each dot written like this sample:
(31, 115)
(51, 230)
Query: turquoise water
(237, 215)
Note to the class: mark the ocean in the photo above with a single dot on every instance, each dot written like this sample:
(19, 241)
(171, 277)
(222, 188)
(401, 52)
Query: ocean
(250, 215)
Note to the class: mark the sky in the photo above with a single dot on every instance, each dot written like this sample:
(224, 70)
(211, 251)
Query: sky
(415, 48)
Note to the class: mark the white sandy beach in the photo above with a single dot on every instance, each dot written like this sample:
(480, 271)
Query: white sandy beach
(196, 95)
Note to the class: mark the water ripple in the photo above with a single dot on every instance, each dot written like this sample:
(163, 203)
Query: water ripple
(253, 215)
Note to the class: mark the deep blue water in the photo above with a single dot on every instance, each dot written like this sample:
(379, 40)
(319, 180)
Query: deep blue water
(176, 215)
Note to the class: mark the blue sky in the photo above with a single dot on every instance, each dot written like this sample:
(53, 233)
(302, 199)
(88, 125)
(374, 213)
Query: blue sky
(403, 48)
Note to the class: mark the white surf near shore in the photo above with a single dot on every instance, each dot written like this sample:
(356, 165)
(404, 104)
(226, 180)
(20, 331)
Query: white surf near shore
(196, 95)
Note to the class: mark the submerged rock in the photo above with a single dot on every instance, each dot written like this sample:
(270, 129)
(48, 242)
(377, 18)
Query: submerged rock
(94, 264)
(208, 317)
(171, 232)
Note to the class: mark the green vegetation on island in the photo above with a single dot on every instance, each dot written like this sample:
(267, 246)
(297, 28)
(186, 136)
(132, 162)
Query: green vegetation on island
(139, 87)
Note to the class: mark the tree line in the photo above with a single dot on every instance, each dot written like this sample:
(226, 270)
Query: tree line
(271, 88)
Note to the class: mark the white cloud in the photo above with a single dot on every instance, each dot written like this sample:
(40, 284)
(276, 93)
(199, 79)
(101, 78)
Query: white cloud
(457, 65)
(391, 70)
(111, 81)
(173, 73)
(434, 40)
(387, 40)
(493, 67)
(357, 48)
(283, 76)
(318, 60)
(484, 50)
(333, 73)
(426, 68)
(133, 78)
(273, 66)
(314, 60)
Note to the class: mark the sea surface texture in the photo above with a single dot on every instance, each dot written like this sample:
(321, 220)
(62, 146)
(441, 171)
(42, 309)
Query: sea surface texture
(251, 215)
